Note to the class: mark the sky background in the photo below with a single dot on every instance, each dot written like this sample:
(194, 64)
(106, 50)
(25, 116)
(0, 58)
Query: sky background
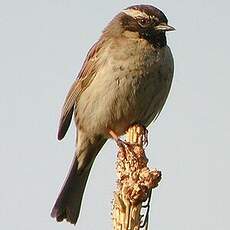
(42, 47)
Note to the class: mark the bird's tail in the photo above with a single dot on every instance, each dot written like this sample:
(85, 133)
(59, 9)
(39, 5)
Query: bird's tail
(68, 203)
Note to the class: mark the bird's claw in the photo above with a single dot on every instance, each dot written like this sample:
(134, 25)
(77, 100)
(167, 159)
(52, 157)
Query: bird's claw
(123, 144)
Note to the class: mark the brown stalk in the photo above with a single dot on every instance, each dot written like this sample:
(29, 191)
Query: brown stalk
(135, 182)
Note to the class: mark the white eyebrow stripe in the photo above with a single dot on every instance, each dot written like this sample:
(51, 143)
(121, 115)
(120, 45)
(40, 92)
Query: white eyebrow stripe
(135, 13)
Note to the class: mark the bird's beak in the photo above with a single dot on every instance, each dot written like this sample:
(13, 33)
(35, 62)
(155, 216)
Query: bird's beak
(164, 27)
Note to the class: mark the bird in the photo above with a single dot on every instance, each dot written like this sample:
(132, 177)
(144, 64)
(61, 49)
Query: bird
(125, 79)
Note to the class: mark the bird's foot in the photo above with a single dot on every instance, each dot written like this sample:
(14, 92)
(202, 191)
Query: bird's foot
(123, 144)
(120, 143)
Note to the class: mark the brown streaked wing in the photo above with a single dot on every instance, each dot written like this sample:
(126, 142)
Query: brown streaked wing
(85, 77)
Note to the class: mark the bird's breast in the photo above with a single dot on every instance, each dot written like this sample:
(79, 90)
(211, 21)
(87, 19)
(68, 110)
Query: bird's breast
(124, 87)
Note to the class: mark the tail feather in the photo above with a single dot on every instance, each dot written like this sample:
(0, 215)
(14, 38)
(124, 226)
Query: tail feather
(68, 203)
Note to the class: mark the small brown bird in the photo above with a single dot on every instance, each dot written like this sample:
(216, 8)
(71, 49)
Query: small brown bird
(125, 79)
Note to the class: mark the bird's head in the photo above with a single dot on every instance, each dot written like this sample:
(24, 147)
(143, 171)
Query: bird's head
(147, 21)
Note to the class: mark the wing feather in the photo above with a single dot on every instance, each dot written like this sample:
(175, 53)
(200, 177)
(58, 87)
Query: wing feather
(85, 77)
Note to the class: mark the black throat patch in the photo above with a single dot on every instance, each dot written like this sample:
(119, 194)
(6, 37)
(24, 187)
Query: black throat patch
(157, 39)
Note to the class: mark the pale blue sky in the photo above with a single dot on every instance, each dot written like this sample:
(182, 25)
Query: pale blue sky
(42, 47)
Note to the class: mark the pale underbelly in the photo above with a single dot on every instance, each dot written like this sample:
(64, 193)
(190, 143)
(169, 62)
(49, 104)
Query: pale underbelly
(117, 104)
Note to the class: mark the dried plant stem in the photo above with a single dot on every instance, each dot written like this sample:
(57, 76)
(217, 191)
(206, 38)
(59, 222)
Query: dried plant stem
(135, 181)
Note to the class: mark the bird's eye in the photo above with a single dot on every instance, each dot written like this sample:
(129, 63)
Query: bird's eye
(144, 22)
